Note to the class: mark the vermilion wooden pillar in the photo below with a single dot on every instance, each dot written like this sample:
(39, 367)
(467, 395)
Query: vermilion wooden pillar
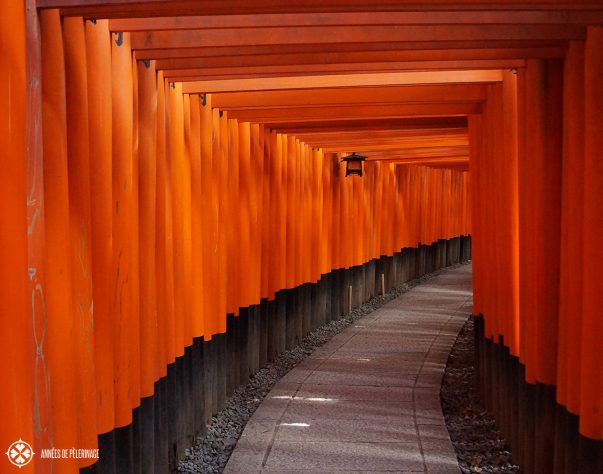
(199, 273)
(255, 206)
(591, 419)
(149, 419)
(569, 379)
(327, 220)
(216, 183)
(98, 51)
(232, 220)
(100, 121)
(16, 330)
(208, 213)
(345, 237)
(43, 430)
(135, 249)
(147, 206)
(257, 167)
(511, 198)
(270, 213)
(388, 193)
(280, 200)
(490, 187)
(298, 219)
(193, 190)
(377, 208)
(289, 195)
(475, 141)
(540, 226)
(179, 172)
(571, 251)
(336, 236)
(223, 216)
(317, 217)
(80, 225)
(539, 206)
(267, 213)
(243, 212)
(60, 351)
(165, 248)
(305, 244)
(124, 324)
(364, 222)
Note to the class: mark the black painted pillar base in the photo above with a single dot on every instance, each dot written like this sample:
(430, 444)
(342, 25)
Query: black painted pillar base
(543, 435)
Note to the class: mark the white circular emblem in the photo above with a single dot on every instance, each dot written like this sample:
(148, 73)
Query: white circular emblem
(20, 453)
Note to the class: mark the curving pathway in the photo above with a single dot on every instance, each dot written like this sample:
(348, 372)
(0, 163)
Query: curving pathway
(369, 399)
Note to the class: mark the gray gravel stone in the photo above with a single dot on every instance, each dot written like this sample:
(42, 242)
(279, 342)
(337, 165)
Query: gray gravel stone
(479, 445)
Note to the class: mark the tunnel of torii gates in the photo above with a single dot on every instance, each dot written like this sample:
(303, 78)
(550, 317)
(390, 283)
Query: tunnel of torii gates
(175, 212)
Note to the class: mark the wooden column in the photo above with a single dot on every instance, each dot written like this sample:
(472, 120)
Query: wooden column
(125, 323)
(267, 214)
(147, 205)
(591, 415)
(231, 243)
(164, 234)
(98, 50)
(540, 204)
(509, 164)
(43, 429)
(571, 250)
(198, 269)
(243, 212)
(179, 169)
(223, 217)
(208, 214)
(475, 138)
(80, 225)
(16, 293)
(60, 350)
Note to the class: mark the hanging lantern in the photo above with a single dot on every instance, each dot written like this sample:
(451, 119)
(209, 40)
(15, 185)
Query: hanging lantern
(353, 164)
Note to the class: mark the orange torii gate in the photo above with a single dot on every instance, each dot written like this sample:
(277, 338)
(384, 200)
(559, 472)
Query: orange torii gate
(172, 178)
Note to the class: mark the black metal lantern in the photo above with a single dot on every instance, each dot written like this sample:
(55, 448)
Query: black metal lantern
(353, 164)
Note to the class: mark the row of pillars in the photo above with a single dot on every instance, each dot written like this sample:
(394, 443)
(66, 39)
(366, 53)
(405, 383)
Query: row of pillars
(136, 217)
(537, 189)
(198, 384)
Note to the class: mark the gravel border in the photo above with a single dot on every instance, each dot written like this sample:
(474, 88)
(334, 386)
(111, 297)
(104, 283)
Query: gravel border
(210, 454)
(479, 446)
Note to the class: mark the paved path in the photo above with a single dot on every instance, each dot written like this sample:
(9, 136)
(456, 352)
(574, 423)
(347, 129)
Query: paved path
(368, 400)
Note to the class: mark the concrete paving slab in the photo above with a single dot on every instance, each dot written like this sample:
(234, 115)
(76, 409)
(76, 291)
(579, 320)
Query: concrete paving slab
(368, 400)
(394, 360)
(272, 408)
(342, 455)
(433, 432)
(355, 392)
(365, 379)
(247, 457)
(297, 471)
(365, 431)
(259, 430)
(332, 409)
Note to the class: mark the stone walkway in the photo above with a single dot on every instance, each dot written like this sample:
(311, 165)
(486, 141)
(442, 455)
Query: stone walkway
(368, 400)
